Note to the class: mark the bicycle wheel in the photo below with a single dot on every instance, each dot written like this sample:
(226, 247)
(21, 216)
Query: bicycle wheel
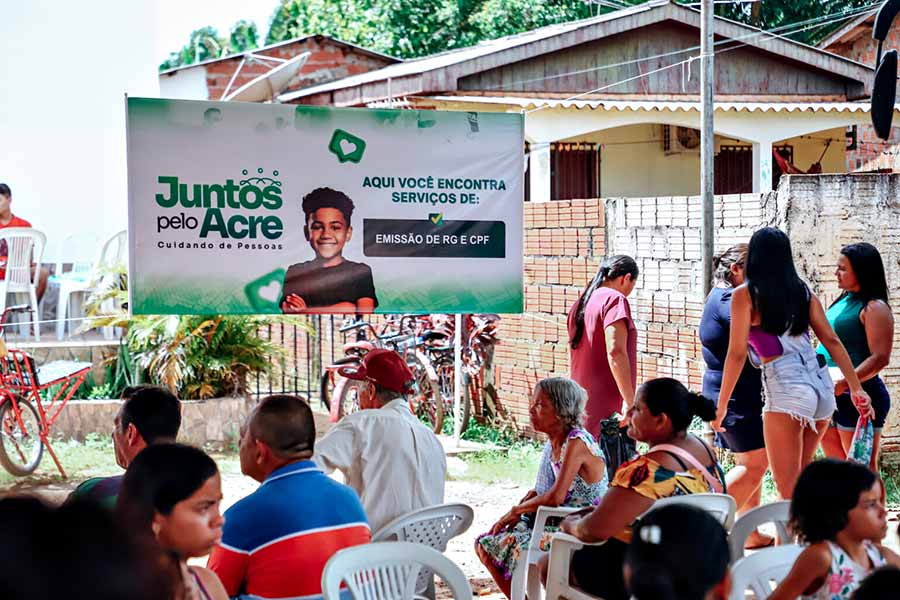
(348, 398)
(20, 443)
(426, 401)
(327, 383)
(446, 373)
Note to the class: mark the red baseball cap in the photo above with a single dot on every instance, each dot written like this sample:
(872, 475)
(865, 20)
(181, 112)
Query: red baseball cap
(384, 367)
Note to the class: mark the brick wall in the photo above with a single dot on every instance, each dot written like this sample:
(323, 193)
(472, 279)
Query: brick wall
(823, 213)
(564, 244)
(328, 61)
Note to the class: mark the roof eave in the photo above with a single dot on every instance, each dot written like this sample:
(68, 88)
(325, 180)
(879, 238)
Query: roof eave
(654, 13)
(299, 39)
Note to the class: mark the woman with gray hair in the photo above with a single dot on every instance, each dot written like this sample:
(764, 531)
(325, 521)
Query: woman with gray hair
(579, 475)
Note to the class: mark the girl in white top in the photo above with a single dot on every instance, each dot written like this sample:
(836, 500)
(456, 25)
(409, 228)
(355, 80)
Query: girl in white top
(838, 509)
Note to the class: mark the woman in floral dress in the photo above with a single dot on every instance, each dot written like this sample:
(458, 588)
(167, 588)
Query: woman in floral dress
(578, 476)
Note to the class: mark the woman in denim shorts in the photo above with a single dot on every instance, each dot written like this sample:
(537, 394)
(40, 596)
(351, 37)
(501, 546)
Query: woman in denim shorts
(771, 315)
(861, 317)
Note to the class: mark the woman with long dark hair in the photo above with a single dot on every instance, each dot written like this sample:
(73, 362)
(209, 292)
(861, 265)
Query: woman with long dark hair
(771, 315)
(743, 425)
(862, 318)
(170, 499)
(603, 341)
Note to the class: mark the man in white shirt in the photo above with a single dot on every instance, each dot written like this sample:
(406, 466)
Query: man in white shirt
(394, 462)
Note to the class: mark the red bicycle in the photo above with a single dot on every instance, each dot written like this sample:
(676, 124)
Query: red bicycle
(31, 399)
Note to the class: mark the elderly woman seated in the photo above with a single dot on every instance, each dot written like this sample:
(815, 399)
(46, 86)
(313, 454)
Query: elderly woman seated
(676, 464)
(573, 463)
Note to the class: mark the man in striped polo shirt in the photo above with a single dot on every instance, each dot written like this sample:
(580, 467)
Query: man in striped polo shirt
(276, 541)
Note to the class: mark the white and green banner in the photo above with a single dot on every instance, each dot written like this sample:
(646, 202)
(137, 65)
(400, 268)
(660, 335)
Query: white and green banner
(268, 208)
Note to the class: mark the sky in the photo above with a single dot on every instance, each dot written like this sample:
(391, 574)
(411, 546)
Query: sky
(178, 18)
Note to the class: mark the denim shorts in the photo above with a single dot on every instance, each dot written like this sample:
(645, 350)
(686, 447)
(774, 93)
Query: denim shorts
(795, 384)
(846, 415)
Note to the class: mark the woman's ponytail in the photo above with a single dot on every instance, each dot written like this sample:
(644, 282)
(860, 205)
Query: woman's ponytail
(610, 268)
(702, 407)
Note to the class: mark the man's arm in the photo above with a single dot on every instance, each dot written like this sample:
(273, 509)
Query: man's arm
(337, 450)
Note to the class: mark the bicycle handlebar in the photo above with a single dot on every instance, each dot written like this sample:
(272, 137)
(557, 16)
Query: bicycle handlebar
(352, 326)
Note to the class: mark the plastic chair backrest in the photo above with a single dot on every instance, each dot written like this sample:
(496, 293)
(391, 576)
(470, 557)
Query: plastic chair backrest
(433, 526)
(776, 512)
(114, 251)
(389, 571)
(721, 506)
(24, 247)
(80, 249)
(762, 571)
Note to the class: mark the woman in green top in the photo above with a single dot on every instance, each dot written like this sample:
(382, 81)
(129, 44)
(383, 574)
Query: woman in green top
(861, 317)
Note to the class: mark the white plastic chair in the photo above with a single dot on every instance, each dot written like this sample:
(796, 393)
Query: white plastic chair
(433, 526)
(25, 247)
(389, 571)
(85, 277)
(721, 506)
(79, 249)
(526, 577)
(776, 512)
(762, 571)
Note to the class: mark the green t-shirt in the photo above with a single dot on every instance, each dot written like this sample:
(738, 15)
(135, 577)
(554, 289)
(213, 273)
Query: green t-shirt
(843, 316)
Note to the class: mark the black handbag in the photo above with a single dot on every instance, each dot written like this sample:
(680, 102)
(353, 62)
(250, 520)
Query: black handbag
(617, 447)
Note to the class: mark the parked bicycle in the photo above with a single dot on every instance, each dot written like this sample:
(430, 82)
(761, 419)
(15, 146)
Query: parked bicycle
(340, 395)
(31, 399)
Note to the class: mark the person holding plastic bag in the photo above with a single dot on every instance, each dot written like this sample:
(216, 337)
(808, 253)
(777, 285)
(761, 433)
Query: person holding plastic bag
(861, 317)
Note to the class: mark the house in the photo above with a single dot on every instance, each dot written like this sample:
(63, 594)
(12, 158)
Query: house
(611, 102)
(329, 59)
(854, 41)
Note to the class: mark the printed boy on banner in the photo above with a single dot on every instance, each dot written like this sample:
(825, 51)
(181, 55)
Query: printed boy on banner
(328, 282)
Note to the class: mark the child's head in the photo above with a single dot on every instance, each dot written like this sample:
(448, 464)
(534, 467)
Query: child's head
(327, 225)
(881, 583)
(662, 563)
(835, 495)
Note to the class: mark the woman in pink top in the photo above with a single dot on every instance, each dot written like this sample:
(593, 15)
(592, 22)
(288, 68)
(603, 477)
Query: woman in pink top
(603, 341)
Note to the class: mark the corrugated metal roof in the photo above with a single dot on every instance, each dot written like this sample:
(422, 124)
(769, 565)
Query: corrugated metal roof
(650, 105)
(451, 57)
(809, 55)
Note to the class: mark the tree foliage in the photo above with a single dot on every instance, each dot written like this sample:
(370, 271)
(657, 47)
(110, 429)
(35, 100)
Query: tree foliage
(775, 14)
(414, 28)
(206, 43)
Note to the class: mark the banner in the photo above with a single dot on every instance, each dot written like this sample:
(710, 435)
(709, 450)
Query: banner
(268, 208)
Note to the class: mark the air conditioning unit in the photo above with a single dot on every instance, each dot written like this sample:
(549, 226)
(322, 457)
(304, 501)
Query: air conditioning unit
(678, 140)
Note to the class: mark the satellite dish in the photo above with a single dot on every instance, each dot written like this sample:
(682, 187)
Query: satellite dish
(265, 87)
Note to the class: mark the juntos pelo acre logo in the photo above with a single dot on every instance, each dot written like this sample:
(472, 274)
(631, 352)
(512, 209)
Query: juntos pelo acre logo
(248, 194)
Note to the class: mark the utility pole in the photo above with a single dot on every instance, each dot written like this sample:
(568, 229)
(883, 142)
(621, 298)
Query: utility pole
(707, 139)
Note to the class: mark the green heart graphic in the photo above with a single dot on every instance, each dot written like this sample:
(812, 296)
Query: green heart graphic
(264, 293)
(346, 146)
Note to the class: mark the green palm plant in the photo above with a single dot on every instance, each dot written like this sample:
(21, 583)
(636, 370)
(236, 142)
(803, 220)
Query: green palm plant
(194, 356)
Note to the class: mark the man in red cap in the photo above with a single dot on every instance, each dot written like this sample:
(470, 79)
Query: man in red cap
(394, 462)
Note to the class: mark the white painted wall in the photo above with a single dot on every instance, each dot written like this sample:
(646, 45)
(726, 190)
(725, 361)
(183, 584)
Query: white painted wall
(633, 163)
(65, 70)
(186, 84)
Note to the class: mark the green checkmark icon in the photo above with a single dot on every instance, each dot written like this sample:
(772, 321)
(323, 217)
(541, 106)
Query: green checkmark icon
(436, 218)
